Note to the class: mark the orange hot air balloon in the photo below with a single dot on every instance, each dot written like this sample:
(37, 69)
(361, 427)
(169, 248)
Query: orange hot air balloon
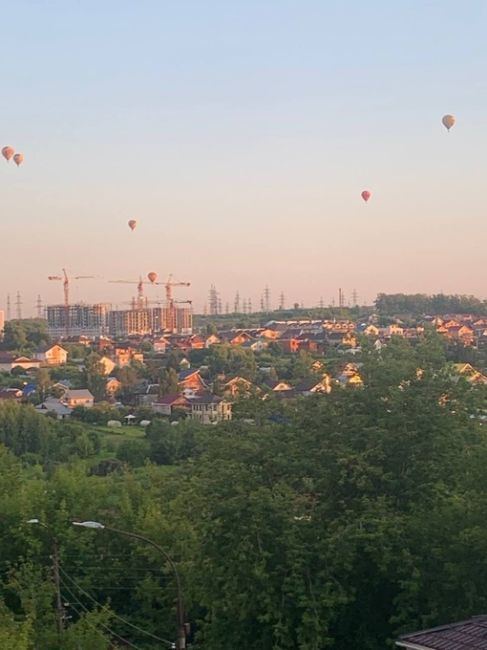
(366, 195)
(152, 276)
(132, 224)
(18, 159)
(8, 152)
(448, 121)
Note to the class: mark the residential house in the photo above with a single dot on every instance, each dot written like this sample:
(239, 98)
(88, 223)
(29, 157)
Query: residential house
(207, 408)
(168, 404)
(212, 339)
(78, 397)
(52, 355)
(256, 346)
(350, 376)
(11, 394)
(125, 356)
(53, 405)
(197, 342)
(190, 380)
(393, 330)
(313, 386)
(371, 330)
(237, 386)
(108, 365)
(146, 393)
(465, 635)
(9, 361)
(112, 386)
(160, 345)
(270, 334)
(235, 337)
(279, 386)
(469, 373)
(288, 345)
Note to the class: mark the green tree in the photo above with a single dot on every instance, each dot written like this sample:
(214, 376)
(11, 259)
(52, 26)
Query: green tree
(168, 382)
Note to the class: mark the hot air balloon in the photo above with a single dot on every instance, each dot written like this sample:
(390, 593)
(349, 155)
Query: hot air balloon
(366, 195)
(18, 159)
(448, 121)
(8, 152)
(152, 276)
(132, 224)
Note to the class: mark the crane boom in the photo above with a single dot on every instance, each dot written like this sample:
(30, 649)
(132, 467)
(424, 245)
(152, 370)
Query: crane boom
(65, 279)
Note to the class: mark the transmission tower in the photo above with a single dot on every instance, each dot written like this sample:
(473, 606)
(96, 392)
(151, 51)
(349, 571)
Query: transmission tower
(262, 305)
(236, 304)
(249, 306)
(354, 298)
(9, 308)
(281, 300)
(267, 299)
(341, 298)
(39, 307)
(322, 304)
(18, 306)
(213, 300)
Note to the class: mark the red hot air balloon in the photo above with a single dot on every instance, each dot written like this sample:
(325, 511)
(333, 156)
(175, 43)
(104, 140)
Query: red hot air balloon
(366, 195)
(152, 276)
(132, 224)
(18, 159)
(8, 152)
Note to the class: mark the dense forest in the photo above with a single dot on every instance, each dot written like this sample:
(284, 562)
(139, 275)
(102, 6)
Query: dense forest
(350, 518)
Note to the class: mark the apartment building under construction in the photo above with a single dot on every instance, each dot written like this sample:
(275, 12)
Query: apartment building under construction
(78, 320)
(148, 321)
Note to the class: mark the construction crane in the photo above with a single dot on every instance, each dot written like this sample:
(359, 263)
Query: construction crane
(169, 284)
(141, 302)
(65, 279)
(170, 302)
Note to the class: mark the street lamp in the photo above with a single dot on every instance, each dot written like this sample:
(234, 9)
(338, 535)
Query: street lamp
(55, 573)
(181, 626)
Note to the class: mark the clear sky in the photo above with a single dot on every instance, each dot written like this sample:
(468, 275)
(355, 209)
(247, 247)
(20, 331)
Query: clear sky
(240, 133)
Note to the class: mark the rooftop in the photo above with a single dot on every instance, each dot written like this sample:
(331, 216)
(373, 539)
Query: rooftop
(466, 635)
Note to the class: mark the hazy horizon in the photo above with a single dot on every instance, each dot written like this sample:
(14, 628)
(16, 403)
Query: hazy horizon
(240, 136)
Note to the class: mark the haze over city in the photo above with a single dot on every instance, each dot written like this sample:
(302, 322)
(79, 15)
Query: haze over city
(240, 136)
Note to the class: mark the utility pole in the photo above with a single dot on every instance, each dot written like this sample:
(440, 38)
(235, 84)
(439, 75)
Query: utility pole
(57, 584)
(55, 574)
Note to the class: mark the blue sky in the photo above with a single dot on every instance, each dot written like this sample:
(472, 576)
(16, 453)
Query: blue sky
(240, 135)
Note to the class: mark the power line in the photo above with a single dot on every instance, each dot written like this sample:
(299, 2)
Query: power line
(87, 611)
(120, 618)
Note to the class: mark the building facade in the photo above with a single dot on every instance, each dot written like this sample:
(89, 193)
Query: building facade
(78, 320)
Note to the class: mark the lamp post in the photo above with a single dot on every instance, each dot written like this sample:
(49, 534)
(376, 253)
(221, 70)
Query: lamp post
(181, 626)
(55, 574)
